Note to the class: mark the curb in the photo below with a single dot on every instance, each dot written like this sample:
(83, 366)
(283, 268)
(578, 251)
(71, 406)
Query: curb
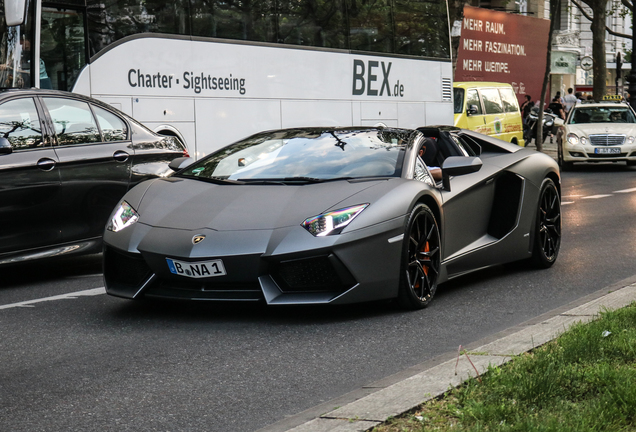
(365, 408)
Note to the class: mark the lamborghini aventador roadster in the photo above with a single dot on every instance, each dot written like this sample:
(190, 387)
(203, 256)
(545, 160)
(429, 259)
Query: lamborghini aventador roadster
(334, 216)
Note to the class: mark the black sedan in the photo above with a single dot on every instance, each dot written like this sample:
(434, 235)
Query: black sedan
(335, 216)
(65, 162)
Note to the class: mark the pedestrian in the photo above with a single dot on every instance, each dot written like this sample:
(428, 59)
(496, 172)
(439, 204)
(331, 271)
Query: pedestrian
(557, 107)
(570, 100)
(558, 95)
(526, 106)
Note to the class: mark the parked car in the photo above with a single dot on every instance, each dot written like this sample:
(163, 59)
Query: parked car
(66, 160)
(489, 108)
(319, 216)
(597, 132)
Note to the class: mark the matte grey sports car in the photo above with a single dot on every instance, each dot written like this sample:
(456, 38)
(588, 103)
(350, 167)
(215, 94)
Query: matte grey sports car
(317, 215)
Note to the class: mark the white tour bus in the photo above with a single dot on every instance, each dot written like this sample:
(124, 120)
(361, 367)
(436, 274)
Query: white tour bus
(213, 71)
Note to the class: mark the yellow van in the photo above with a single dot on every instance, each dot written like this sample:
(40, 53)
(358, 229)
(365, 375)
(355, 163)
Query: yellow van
(489, 108)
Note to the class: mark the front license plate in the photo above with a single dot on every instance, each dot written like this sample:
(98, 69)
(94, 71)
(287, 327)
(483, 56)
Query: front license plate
(607, 150)
(199, 269)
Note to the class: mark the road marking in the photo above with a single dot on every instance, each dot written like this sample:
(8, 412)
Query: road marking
(73, 295)
(597, 196)
(625, 190)
(567, 202)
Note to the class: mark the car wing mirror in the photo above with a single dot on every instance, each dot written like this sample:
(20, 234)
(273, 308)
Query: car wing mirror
(472, 109)
(180, 163)
(457, 166)
(5, 146)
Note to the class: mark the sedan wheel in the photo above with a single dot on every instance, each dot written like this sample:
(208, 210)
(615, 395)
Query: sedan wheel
(565, 166)
(547, 239)
(421, 258)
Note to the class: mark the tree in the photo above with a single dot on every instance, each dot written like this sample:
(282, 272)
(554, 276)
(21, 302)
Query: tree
(555, 5)
(598, 19)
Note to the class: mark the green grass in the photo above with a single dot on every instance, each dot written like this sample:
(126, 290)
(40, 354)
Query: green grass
(582, 381)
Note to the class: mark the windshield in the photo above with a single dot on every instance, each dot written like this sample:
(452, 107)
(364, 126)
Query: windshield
(458, 95)
(15, 52)
(604, 114)
(307, 156)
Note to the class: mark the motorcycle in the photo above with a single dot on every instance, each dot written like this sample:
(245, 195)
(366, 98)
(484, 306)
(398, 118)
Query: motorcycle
(532, 121)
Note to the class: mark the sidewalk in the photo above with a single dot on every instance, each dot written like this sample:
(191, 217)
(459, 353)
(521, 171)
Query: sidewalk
(549, 148)
(372, 405)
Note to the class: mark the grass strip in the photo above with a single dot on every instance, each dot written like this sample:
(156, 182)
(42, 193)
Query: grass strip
(585, 380)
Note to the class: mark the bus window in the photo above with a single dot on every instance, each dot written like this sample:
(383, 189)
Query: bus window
(62, 47)
(320, 25)
(253, 21)
(16, 54)
(420, 28)
(370, 26)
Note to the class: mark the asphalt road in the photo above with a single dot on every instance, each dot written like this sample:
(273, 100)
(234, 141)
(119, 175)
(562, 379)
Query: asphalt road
(100, 363)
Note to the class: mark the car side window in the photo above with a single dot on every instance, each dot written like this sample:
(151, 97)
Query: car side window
(73, 121)
(422, 173)
(472, 98)
(492, 101)
(509, 100)
(113, 128)
(20, 124)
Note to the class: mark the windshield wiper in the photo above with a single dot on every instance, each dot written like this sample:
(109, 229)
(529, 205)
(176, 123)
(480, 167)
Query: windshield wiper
(291, 180)
(214, 180)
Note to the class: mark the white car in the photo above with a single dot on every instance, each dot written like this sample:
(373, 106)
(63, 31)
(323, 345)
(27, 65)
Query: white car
(597, 132)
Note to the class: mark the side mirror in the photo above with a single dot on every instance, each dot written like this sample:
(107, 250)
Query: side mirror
(180, 163)
(5, 146)
(472, 109)
(459, 165)
(14, 12)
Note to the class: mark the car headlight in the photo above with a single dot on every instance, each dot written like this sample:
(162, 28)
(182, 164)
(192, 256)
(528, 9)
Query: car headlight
(573, 139)
(124, 217)
(332, 222)
(630, 140)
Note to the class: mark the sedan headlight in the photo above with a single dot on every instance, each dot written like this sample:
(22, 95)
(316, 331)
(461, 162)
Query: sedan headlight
(630, 140)
(124, 217)
(574, 139)
(332, 222)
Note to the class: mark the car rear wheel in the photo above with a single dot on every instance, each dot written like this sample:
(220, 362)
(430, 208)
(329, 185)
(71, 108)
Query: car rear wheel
(547, 237)
(421, 257)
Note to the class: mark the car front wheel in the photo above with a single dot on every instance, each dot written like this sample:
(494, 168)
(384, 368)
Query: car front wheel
(421, 258)
(547, 237)
(565, 166)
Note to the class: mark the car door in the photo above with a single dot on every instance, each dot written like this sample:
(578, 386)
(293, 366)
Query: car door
(29, 180)
(475, 121)
(493, 107)
(468, 204)
(94, 166)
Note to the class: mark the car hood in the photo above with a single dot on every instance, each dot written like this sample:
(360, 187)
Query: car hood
(628, 129)
(193, 204)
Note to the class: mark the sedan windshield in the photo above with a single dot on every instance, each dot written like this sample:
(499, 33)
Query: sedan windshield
(307, 156)
(602, 114)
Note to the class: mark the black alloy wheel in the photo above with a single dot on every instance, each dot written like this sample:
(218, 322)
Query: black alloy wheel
(421, 258)
(547, 238)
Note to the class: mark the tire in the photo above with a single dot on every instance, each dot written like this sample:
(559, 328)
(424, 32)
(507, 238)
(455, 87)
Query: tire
(547, 232)
(421, 259)
(565, 166)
